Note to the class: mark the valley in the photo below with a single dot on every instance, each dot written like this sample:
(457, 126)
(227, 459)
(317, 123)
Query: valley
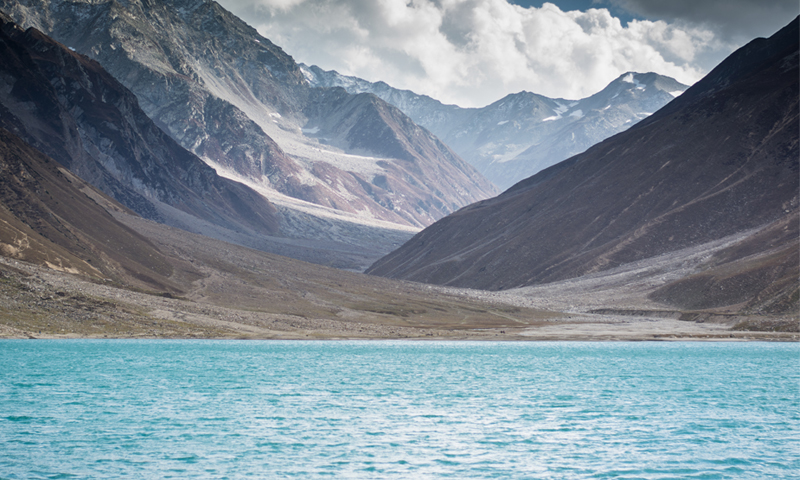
(167, 172)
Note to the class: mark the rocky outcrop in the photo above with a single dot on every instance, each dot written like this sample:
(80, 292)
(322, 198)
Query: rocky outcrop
(721, 159)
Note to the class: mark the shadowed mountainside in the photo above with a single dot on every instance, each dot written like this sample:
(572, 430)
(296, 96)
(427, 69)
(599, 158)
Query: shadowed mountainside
(50, 217)
(69, 108)
(721, 159)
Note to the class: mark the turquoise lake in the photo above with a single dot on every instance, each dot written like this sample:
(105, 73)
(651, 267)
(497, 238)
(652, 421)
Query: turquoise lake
(391, 409)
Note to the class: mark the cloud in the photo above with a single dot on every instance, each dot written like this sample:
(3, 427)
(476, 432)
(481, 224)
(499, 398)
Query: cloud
(732, 20)
(473, 52)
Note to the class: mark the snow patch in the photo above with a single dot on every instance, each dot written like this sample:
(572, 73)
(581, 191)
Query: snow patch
(577, 114)
(559, 111)
(676, 92)
(363, 217)
(631, 78)
(310, 77)
(503, 122)
(561, 108)
(512, 152)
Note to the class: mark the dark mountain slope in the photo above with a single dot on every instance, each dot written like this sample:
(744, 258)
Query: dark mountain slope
(719, 160)
(759, 274)
(50, 217)
(67, 106)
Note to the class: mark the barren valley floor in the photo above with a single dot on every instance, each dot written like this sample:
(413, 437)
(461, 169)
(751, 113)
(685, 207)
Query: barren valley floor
(232, 292)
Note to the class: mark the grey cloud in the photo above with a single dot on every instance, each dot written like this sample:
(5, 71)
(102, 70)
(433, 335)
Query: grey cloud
(735, 21)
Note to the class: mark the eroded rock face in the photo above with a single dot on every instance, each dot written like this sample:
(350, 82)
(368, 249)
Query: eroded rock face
(68, 107)
(523, 133)
(719, 160)
(244, 106)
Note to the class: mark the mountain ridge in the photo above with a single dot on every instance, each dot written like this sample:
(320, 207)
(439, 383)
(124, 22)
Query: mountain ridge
(521, 133)
(239, 102)
(67, 106)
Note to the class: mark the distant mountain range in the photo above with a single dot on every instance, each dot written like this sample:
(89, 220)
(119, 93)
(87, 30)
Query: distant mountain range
(345, 172)
(721, 161)
(523, 133)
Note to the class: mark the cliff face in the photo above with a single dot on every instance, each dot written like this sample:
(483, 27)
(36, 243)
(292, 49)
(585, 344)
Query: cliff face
(720, 160)
(240, 103)
(69, 108)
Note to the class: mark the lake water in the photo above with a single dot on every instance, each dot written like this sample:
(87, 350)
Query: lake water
(235, 409)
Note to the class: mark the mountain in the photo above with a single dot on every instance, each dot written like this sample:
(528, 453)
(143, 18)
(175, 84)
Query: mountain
(50, 217)
(720, 162)
(69, 108)
(111, 273)
(241, 104)
(523, 133)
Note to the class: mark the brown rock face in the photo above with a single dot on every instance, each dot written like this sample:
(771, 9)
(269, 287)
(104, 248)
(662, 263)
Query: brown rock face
(720, 159)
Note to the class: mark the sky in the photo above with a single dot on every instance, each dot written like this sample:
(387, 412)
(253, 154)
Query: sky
(474, 52)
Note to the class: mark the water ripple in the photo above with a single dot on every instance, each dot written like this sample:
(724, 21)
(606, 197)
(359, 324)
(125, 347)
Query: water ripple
(188, 409)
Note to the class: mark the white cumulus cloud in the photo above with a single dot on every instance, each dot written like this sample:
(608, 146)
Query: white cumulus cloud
(473, 52)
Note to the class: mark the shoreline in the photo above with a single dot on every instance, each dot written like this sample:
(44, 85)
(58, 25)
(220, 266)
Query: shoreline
(530, 336)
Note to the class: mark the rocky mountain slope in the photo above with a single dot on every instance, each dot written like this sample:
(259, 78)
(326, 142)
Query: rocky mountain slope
(69, 108)
(720, 161)
(523, 133)
(241, 104)
(50, 217)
